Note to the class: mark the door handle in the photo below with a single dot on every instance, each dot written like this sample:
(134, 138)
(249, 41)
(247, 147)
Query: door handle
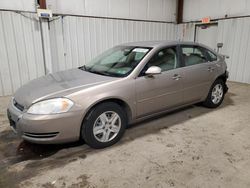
(210, 69)
(176, 77)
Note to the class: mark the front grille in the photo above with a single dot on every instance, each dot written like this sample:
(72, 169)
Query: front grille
(17, 105)
(41, 135)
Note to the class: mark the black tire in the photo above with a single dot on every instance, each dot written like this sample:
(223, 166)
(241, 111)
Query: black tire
(89, 122)
(209, 100)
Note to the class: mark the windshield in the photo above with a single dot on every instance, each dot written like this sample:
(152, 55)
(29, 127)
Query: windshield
(119, 61)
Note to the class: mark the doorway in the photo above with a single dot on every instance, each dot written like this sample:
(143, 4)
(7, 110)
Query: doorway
(207, 34)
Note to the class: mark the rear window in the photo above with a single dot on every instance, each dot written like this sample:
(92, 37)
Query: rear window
(193, 55)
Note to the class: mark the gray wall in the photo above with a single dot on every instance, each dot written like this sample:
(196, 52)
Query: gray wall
(235, 34)
(22, 5)
(158, 10)
(76, 40)
(197, 9)
(21, 55)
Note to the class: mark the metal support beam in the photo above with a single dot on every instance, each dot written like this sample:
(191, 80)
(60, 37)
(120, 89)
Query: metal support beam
(179, 11)
(42, 4)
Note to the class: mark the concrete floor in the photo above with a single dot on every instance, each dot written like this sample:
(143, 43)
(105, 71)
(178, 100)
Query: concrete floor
(193, 147)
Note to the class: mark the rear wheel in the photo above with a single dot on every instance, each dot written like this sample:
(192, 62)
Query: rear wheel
(216, 94)
(104, 125)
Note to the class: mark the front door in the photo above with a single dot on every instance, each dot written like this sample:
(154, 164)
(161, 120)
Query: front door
(162, 91)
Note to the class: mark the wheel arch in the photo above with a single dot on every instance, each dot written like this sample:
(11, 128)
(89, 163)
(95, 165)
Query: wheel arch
(120, 102)
(223, 77)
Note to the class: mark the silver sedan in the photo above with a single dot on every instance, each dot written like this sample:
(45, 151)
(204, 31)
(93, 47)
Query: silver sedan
(126, 84)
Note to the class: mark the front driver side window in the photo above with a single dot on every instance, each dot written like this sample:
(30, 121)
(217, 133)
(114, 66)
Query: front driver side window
(166, 59)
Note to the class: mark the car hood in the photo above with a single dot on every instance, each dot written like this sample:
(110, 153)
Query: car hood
(58, 85)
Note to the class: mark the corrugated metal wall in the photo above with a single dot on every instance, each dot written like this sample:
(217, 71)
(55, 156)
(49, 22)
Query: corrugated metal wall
(21, 57)
(235, 35)
(75, 40)
(185, 32)
(157, 10)
(22, 5)
(195, 10)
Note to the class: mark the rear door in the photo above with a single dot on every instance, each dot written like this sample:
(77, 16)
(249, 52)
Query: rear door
(198, 73)
(162, 91)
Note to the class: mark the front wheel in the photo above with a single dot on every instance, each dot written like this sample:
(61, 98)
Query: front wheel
(104, 125)
(216, 94)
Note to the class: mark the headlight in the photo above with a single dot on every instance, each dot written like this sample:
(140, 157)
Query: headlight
(51, 106)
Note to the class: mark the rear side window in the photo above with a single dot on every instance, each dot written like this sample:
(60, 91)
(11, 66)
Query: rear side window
(211, 56)
(193, 55)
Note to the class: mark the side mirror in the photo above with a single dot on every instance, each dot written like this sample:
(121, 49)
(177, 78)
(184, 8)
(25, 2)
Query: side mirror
(153, 71)
(219, 46)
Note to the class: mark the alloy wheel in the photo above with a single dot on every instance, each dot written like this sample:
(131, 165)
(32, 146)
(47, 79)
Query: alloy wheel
(107, 126)
(217, 93)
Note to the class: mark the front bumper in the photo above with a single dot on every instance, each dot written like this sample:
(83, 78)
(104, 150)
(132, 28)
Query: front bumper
(46, 129)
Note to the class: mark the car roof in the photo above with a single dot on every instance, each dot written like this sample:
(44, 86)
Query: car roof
(154, 44)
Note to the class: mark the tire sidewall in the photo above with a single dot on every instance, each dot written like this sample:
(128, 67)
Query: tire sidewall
(88, 124)
(209, 102)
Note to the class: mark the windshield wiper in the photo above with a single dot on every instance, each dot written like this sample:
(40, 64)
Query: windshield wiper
(84, 68)
(100, 73)
(105, 73)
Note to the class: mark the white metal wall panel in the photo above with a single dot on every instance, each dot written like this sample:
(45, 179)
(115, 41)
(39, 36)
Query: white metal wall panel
(186, 32)
(76, 40)
(197, 9)
(23, 5)
(117, 11)
(235, 34)
(157, 10)
(21, 57)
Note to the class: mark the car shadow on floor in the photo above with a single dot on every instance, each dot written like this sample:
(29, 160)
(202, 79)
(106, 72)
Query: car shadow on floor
(157, 123)
(14, 150)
